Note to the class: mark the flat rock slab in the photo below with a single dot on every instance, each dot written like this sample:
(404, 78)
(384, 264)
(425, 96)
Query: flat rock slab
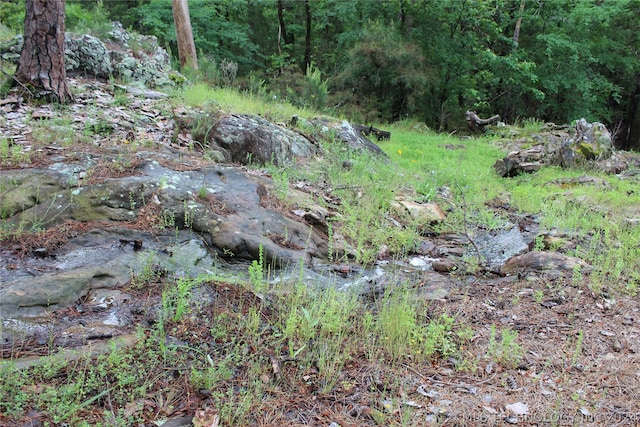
(545, 263)
(496, 249)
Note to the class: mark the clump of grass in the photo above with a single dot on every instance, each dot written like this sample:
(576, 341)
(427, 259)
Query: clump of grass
(200, 94)
(12, 154)
(504, 348)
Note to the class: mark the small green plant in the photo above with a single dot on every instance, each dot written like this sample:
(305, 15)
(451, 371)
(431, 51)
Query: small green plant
(148, 270)
(438, 338)
(538, 243)
(176, 298)
(203, 192)
(506, 350)
(538, 296)
(12, 154)
(578, 348)
(257, 270)
(280, 183)
(397, 325)
(58, 130)
(167, 219)
(207, 379)
(189, 214)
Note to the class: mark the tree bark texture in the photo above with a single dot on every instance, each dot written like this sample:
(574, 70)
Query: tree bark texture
(184, 34)
(41, 64)
(307, 38)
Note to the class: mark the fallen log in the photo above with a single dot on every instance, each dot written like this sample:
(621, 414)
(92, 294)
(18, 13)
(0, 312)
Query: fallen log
(380, 135)
(475, 122)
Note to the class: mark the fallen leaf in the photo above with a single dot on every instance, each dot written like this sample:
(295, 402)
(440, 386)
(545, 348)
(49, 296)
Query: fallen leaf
(518, 408)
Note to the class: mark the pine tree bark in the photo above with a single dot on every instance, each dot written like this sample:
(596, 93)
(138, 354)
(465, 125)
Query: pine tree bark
(307, 39)
(184, 34)
(41, 64)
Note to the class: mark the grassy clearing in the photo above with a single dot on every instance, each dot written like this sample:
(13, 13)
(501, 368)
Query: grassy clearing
(229, 99)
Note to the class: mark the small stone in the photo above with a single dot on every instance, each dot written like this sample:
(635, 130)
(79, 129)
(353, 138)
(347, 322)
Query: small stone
(617, 346)
(443, 265)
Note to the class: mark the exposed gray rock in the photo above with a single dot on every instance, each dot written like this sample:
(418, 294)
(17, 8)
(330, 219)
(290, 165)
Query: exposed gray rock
(87, 54)
(587, 144)
(236, 217)
(248, 139)
(10, 49)
(349, 134)
(30, 296)
(148, 64)
(518, 162)
(497, 248)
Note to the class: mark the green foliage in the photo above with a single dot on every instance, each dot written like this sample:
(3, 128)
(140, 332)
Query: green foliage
(220, 29)
(12, 15)
(176, 298)
(431, 60)
(257, 271)
(12, 154)
(90, 20)
(310, 91)
(504, 349)
(384, 75)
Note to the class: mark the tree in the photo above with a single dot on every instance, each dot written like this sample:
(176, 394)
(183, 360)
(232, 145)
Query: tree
(41, 64)
(184, 34)
(306, 62)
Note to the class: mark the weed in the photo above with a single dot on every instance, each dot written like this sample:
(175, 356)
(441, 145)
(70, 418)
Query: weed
(203, 192)
(176, 298)
(578, 348)
(147, 272)
(12, 154)
(538, 296)
(189, 214)
(257, 270)
(506, 350)
(538, 243)
(54, 131)
(397, 325)
(280, 183)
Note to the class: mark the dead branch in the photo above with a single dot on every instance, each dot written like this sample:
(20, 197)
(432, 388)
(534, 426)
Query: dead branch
(475, 122)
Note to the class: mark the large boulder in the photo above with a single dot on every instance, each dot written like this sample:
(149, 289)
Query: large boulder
(584, 145)
(349, 134)
(88, 55)
(244, 139)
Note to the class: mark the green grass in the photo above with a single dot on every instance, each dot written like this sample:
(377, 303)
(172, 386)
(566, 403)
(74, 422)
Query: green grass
(231, 100)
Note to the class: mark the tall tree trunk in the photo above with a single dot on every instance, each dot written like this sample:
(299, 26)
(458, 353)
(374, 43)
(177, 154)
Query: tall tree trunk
(282, 29)
(307, 39)
(41, 63)
(630, 138)
(184, 34)
(516, 31)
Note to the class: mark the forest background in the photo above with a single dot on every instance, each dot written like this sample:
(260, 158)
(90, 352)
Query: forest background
(423, 60)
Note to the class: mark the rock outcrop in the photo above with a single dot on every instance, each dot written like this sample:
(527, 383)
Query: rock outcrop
(147, 65)
(584, 145)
